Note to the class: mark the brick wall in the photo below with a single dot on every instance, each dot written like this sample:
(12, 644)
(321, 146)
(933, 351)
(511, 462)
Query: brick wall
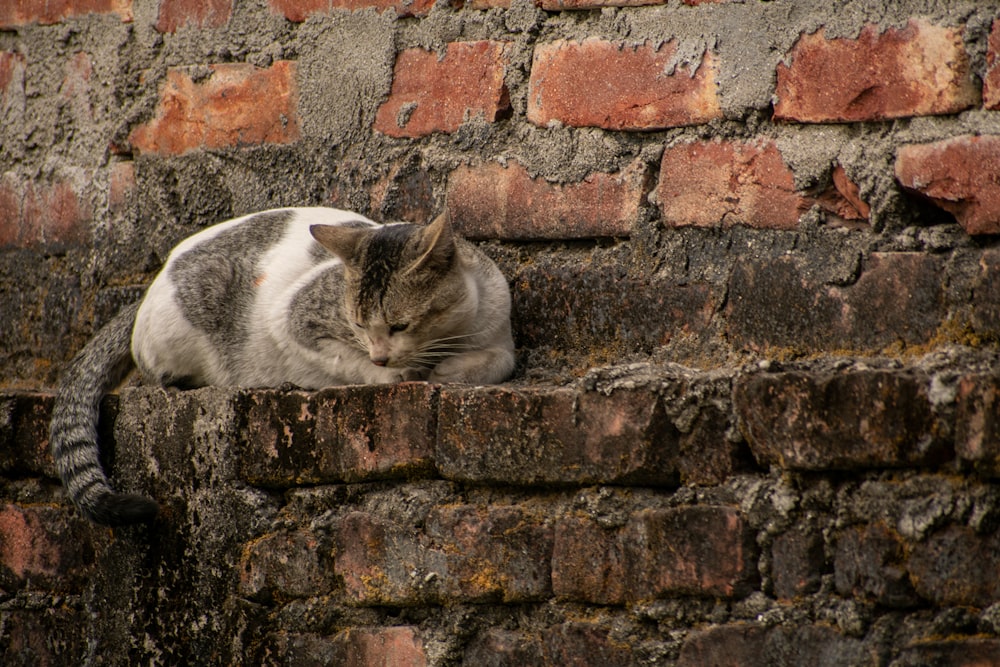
(799, 199)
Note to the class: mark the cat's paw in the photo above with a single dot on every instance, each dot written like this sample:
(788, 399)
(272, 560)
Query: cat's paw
(412, 375)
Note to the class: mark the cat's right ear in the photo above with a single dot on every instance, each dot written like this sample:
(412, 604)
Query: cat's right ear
(342, 241)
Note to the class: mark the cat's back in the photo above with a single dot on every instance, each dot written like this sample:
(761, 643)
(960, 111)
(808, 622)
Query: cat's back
(205, 298)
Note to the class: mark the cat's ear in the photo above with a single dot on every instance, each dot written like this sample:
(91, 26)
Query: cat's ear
(342, 241)
(437, 245)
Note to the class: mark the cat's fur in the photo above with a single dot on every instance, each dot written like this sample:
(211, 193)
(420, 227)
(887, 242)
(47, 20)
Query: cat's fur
(308, 296)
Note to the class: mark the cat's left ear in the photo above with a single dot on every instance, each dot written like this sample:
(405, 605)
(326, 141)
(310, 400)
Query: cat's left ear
(342, 241)
(437, 245)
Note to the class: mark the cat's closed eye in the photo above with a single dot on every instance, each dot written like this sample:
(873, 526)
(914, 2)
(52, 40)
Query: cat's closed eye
(398, 328)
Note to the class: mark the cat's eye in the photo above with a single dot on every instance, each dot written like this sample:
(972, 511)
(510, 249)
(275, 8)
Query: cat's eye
(398, 328)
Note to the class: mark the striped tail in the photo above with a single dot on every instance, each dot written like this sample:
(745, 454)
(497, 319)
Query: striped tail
(97, 369)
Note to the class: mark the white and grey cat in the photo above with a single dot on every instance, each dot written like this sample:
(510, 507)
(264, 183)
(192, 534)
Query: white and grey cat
(308, 296)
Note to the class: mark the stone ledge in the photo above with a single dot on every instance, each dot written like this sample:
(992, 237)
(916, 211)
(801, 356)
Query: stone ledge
(639, 425)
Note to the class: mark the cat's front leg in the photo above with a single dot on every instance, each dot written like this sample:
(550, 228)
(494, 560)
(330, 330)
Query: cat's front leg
(486, 366)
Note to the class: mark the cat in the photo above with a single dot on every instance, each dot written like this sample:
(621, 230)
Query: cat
(310, 297)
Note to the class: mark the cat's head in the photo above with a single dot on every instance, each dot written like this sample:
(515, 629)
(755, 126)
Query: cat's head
(405, 293)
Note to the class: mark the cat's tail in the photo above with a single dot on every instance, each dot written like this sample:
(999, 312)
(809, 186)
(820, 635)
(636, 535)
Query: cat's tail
(97, 369)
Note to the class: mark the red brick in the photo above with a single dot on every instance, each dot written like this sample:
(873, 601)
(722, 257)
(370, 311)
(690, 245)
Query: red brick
(378, 431)
(818, 421)
(491, 553)
(919, 70)
(175, 14)
(843, 199)
(47, 547)
(597, 83)
(432, 93)
(237, 105)
(559, 5)
(991, 81)
(708, 184)
(22, 12)
(379, 561)
(35, 213)
(465, 553)
(977, 426)
(957, 566)
(546, 436)
(285, 565)
(300, 10)
(397, 646)
(957, 174)
(700, 550)
(75, 88)
(488, 4)
(496, 201)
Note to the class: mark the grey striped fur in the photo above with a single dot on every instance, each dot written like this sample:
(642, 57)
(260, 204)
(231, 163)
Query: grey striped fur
(97, 369)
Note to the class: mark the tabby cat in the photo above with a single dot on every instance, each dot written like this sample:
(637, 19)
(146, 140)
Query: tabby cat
(307, 296)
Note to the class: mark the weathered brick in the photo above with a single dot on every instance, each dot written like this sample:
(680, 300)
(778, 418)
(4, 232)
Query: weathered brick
(560, 5)
(432, 93)
(503, 648)
(984, 302)
(24, 433)
(355, 647)
(500, 553)
(736, 645)
(285, 565)
(940, 171)
(598, 83)
(711, 183)
(175, 14)
(494, 201)
(121, 185)
(957, 566)
(405, 193)
(379, 562)
(797, 562)
(300, 10)
(45, 637)
(918, 70)
(991, 81)
(225, 110)
(464, 554)
(780, 302)
(47, 547)
(785, 645)
(843, 199)
(515, 436)
(12, 69)
(700, 550)
(870, 563)
(378, 431)
(339, 434)
(46, 12)
(951, 652)
(823, 421)
(53, 215)
(594, 309)
(585, 644)
(977, 426)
